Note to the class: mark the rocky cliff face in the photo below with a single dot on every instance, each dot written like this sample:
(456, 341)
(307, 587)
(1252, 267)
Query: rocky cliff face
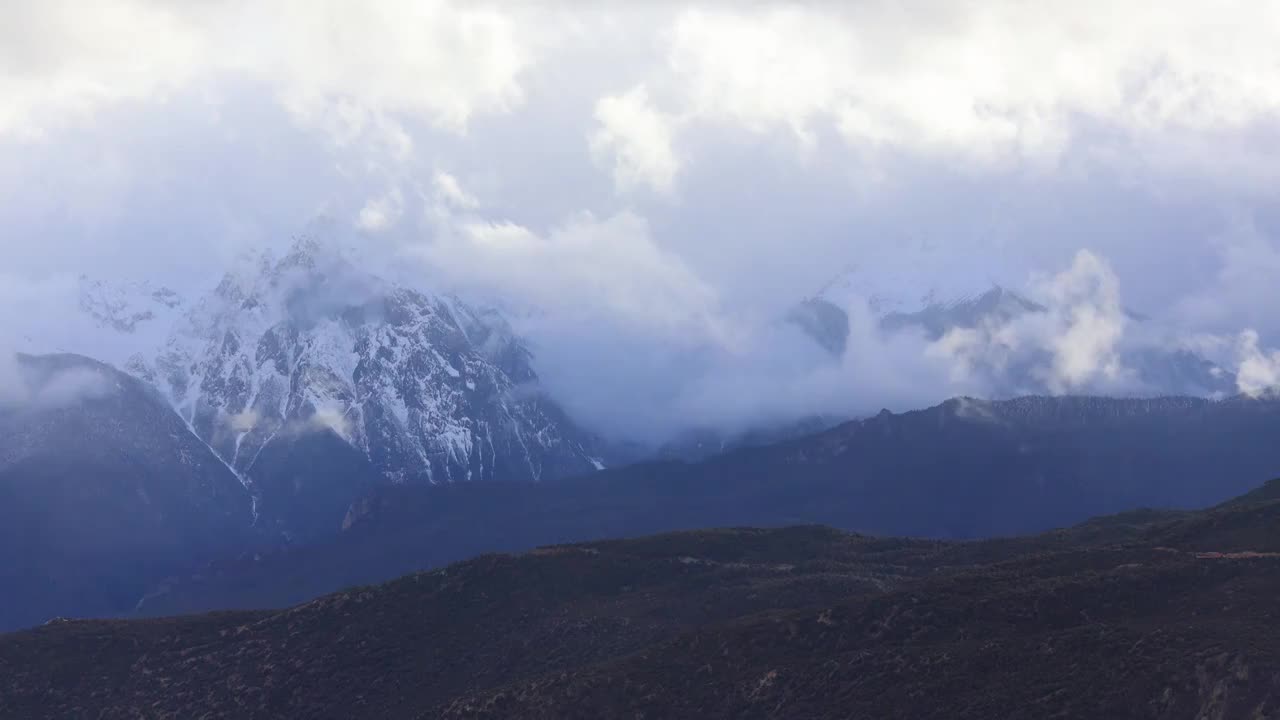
(429, 388)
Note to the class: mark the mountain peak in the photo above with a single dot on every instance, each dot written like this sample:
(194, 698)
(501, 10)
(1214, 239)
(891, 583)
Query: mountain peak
(905, 277)
(1158, 367)
(303, 252)
(414, 386)
(320, 244)
(125, 306)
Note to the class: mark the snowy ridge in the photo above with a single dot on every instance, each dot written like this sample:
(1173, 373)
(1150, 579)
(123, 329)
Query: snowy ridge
(424, 386)
(1033, 410)
(110, 322)
(1158, 365)
(905, 277)
(127, 307)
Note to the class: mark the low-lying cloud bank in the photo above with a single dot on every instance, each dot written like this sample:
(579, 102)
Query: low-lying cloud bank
(24, 387)
(638, 345)
(1259, 372)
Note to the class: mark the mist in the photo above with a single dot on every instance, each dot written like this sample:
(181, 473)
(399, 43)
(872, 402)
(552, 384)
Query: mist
(646, 199)
(26, 386)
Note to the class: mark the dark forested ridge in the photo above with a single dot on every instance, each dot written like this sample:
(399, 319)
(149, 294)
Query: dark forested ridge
(1145, 614)
(963, 469)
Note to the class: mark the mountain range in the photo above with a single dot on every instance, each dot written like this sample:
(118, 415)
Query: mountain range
(307, 425)
(1154, 364)
(250, 418)
(961, 470)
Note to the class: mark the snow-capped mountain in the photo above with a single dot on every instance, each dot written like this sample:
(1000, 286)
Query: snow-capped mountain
(426, 386)
(129, 308)
(905, 274)
(1154, 365)
(995, 305)
(309, 356)
(914, 277)
(106, 320)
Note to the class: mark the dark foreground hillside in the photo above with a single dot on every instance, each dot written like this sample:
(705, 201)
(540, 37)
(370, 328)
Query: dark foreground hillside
(1149, 614)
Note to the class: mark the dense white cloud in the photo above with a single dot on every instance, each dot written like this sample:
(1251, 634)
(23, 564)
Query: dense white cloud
(449, 191)
(992, 83)
(328, 418)
(243, 422)
(979, 81)
(634, 140)
(347, 64)
(1073, 346)
(20, 388)
(347, 68)
(62, 59)
(648, 187)
(381, 212)
(773, 373)
(585, 269)
(1084, 304)
(1259, 370)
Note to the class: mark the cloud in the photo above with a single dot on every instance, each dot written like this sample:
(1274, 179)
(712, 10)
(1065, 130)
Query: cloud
(758, 372)
(12, 385)
(1259, 372)
(60, 60)
(583, 269)
(638, 346)
(343, 68)
(1088, 322)
(976, 352)
(69, 387)
(1238, 286)
(330, 418)
(634, 141)
(982, 84)
(27, 388)
(382, 212)
(243, 422)
(449, 193)
(772, 376)
(764, 68)
(1074, 345)
(61, 313)
(646, 188)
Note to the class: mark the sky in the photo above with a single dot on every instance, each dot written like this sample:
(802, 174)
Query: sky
(662, 181)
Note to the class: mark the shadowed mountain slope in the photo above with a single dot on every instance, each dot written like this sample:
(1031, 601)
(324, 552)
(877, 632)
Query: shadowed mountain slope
(103, 492)
(1154, 614)
(963, 469)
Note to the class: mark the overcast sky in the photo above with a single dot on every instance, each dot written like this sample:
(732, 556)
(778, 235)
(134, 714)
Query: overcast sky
(662, 172)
